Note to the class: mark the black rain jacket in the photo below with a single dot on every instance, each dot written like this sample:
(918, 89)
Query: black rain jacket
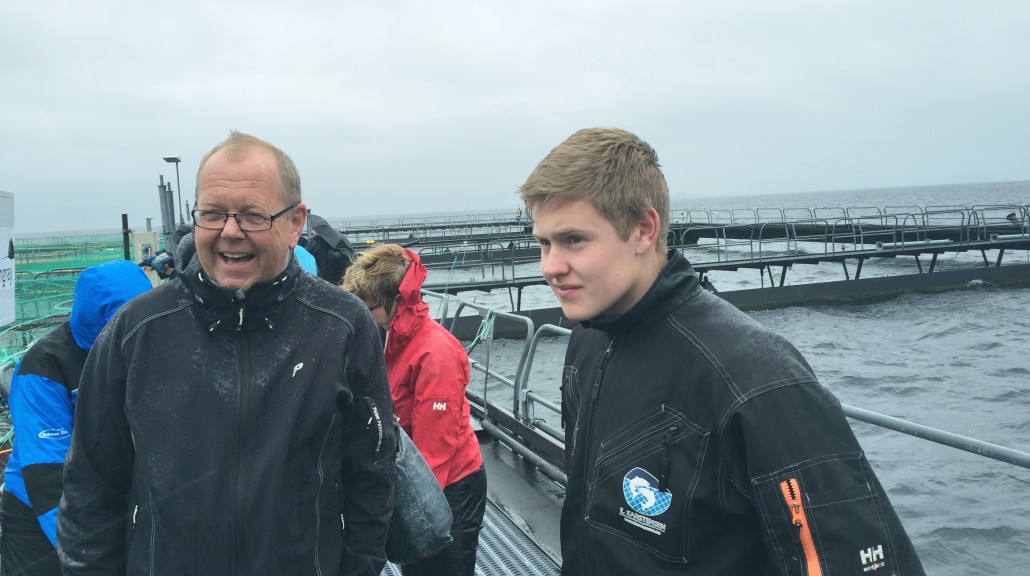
(699, 442)
(227, 433)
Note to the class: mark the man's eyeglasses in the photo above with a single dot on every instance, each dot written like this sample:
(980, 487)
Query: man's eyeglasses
(247, 221)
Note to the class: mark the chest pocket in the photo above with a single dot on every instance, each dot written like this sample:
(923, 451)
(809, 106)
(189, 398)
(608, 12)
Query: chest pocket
(643, 479)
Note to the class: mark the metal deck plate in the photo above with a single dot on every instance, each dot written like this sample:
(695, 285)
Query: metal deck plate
(504, 550)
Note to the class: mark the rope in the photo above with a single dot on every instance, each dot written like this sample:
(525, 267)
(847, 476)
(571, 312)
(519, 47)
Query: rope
(447, 284)
(485, 327)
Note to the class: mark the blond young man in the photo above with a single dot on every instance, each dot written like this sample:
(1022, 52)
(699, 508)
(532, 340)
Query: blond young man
(697, 441)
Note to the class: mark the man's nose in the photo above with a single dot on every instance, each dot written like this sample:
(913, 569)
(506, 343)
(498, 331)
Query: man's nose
(552, 264)
(232, 228)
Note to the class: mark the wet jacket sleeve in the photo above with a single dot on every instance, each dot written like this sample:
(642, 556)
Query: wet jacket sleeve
(439, 385)
(91, 524)
(366, 484)
(42, 413)
(818, 498)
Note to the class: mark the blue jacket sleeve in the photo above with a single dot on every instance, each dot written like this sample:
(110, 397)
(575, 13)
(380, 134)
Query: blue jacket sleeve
(42, 413)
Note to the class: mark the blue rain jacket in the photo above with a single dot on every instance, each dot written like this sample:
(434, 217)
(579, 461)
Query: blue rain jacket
(45, 382)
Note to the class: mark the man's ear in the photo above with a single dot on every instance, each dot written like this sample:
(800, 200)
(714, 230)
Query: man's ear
(646, 230)
(300, 215)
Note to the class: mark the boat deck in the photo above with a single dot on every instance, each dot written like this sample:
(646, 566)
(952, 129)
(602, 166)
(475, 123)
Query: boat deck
(520, 528)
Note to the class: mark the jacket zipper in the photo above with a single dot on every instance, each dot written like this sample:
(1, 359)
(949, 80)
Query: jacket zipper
(632, 450)
(150, 540)
(792, 495)
(238, 513)
(663, 475)
(602, 366)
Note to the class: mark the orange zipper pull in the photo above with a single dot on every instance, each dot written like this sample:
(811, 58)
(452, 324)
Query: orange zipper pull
(792, 496)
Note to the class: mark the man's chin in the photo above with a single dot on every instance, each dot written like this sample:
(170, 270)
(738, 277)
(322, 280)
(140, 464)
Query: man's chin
(232, 282)
(574, 313)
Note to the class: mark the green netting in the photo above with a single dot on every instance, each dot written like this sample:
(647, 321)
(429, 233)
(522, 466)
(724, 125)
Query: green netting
(46, 271)
(40, 255)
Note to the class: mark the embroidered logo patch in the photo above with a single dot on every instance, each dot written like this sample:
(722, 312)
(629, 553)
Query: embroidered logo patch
(872, 558)
(640, 488)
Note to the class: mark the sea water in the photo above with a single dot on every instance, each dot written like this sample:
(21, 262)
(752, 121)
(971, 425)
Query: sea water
(958, 361)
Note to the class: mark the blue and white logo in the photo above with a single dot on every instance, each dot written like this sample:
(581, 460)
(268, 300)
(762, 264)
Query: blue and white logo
(54, 434)
(641, 491)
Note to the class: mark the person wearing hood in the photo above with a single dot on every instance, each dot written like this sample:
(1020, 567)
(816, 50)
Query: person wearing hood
(164, 265)
(333, 254)
(428, 371)
(42, 402)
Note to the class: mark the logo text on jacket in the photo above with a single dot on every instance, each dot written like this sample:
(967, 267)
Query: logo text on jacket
(53, 434)
(873, 556)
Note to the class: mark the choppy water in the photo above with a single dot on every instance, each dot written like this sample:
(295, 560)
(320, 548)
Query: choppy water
(958, 361)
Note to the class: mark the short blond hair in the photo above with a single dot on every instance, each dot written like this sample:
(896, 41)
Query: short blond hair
(376, 275)
(617, 172)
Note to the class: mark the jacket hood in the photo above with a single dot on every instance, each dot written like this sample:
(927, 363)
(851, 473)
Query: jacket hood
(412, 311)
(185, 250)
(99, 292)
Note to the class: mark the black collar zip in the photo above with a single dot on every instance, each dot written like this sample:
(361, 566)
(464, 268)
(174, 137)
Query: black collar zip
(236, 310)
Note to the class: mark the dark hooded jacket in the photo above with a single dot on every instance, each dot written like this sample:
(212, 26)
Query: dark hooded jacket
(699, 442)
(45, 385)
(333, 253)
(225, 432)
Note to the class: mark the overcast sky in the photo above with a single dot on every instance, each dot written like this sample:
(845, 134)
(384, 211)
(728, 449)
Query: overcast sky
(403, 107)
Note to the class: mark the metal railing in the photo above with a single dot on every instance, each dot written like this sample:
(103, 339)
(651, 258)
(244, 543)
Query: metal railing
(536, 434)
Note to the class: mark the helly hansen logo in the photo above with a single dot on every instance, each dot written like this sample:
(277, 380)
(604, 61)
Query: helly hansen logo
(439, 406)
(873, 556)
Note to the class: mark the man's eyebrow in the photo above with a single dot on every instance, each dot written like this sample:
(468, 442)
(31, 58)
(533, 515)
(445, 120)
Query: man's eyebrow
(567, 230)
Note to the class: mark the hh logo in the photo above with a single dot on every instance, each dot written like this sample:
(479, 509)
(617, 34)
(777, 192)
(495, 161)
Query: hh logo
(871, 554)
(439, 406)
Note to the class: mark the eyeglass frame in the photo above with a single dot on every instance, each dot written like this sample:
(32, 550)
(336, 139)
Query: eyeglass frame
(236, 216)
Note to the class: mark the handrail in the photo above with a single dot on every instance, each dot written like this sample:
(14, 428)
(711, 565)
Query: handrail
(522, 393)
(975, 446)
(972, 445)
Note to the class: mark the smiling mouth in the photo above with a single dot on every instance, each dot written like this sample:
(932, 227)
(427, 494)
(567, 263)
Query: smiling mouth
(235, 259)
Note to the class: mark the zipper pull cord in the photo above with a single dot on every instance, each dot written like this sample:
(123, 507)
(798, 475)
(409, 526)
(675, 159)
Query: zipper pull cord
(239, 296)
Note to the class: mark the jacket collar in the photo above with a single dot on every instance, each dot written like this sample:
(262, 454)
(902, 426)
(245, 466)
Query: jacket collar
(234, 309)
(675, 284)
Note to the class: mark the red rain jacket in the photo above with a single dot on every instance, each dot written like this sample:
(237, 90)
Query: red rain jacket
(429, 370)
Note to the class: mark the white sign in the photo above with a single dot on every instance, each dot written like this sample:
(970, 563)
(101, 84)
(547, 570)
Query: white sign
(6, 258)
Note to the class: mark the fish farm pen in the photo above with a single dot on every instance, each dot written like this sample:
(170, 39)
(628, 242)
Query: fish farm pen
(522, 446)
